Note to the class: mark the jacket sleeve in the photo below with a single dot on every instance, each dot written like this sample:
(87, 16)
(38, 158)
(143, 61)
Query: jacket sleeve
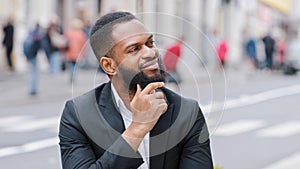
(77, 151)
(196, 151)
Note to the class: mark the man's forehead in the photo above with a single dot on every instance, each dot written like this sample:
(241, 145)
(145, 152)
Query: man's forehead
(129, 29)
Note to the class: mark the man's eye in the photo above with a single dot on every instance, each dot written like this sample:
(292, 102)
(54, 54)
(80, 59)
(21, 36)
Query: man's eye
(150, 43)
(133, 50)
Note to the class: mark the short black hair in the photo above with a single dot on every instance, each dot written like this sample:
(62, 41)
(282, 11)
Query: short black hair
(101, 33)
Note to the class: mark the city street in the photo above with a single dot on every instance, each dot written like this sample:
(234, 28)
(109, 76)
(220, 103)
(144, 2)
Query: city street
(251, 107)
(259, 128)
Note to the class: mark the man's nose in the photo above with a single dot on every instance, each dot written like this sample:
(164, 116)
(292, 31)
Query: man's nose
(148, 52)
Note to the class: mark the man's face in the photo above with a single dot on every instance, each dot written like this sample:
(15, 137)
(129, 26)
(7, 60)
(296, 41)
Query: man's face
(135, 54)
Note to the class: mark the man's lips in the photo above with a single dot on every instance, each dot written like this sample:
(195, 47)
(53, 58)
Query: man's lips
(151, 65)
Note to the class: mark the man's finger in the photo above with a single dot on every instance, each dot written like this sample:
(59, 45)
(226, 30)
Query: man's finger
(163, 108)
(158, 95)
(138, 90)
(157, 102)
(152, 86)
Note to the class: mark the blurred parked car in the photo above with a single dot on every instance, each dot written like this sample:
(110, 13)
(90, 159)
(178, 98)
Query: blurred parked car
(292, 60)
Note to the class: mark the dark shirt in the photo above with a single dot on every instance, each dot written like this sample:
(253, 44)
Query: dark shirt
(8, 35)
(269, 44)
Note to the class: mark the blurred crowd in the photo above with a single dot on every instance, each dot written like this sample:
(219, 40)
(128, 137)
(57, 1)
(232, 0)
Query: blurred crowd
(265, 52)
(61, 47)
(270, 52)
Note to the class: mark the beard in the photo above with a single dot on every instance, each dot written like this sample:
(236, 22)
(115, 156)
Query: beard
(132, 78)
(143, 80)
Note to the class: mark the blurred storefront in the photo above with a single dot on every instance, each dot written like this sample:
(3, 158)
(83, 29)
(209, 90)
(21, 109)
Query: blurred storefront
(190, 19)
(26, 13)
(283, 6)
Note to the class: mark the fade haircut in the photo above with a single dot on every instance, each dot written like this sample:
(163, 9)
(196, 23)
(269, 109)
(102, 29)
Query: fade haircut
(101, 39)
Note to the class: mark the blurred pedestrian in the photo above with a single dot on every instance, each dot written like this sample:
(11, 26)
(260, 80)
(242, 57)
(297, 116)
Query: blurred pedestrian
(170, 61)
(89, 52)
(8, 42)
(77, 39)
(222, 51)
(269, 43)
(292, 60)
(281, 48)
(251, 52)
(87, 27)
(53, 43)
(31, 47)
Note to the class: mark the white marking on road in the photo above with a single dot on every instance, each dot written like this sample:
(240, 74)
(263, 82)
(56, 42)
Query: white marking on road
(28, 147)
(290, 162)
(282, 130)
(32, 125)
(239, 127)
(54, 129)
(246, 100)
(12, 120)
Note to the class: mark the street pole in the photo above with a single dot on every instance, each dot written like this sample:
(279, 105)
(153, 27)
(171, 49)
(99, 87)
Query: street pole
(140, 8)
(203, 30)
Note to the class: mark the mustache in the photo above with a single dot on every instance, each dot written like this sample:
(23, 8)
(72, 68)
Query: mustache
(156, 58)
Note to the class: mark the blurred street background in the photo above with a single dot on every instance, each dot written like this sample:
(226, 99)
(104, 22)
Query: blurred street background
(238, 58)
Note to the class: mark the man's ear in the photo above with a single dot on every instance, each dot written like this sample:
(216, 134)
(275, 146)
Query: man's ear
(108, 65)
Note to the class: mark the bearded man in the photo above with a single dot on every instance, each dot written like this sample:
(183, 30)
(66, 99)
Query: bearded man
(132, 121)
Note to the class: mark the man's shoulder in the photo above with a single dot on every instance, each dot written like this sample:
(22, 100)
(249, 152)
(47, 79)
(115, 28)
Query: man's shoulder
(86, 99)
(77, 106)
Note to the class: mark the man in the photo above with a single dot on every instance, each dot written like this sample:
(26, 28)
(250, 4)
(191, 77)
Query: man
(251, 52)
(269, 50)
(76, 39)
(31, 46)
(8, 42)
(132, 121)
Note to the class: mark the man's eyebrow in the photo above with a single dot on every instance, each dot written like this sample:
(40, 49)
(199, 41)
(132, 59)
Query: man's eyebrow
(135, 44)
(131, 45)
(150, 37)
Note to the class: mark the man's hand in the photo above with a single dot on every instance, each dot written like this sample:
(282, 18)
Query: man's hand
(146, 107)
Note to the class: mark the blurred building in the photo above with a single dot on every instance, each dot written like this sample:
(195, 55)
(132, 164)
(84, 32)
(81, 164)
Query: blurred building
(190, 19)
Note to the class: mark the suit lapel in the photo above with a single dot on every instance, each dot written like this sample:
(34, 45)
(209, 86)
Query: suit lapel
(109, 111)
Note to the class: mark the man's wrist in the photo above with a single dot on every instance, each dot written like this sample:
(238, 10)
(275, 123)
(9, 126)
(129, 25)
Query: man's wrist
(134, 135)
(136, 130)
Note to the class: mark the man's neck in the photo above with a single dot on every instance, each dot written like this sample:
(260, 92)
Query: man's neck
(123, 93)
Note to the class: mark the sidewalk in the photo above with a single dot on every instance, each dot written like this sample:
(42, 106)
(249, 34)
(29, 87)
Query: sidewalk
(52, 87)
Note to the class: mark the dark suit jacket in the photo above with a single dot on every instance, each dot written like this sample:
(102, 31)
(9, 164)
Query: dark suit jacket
(92, 140)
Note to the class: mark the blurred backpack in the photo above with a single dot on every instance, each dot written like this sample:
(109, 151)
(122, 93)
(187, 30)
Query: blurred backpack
(31, 44)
